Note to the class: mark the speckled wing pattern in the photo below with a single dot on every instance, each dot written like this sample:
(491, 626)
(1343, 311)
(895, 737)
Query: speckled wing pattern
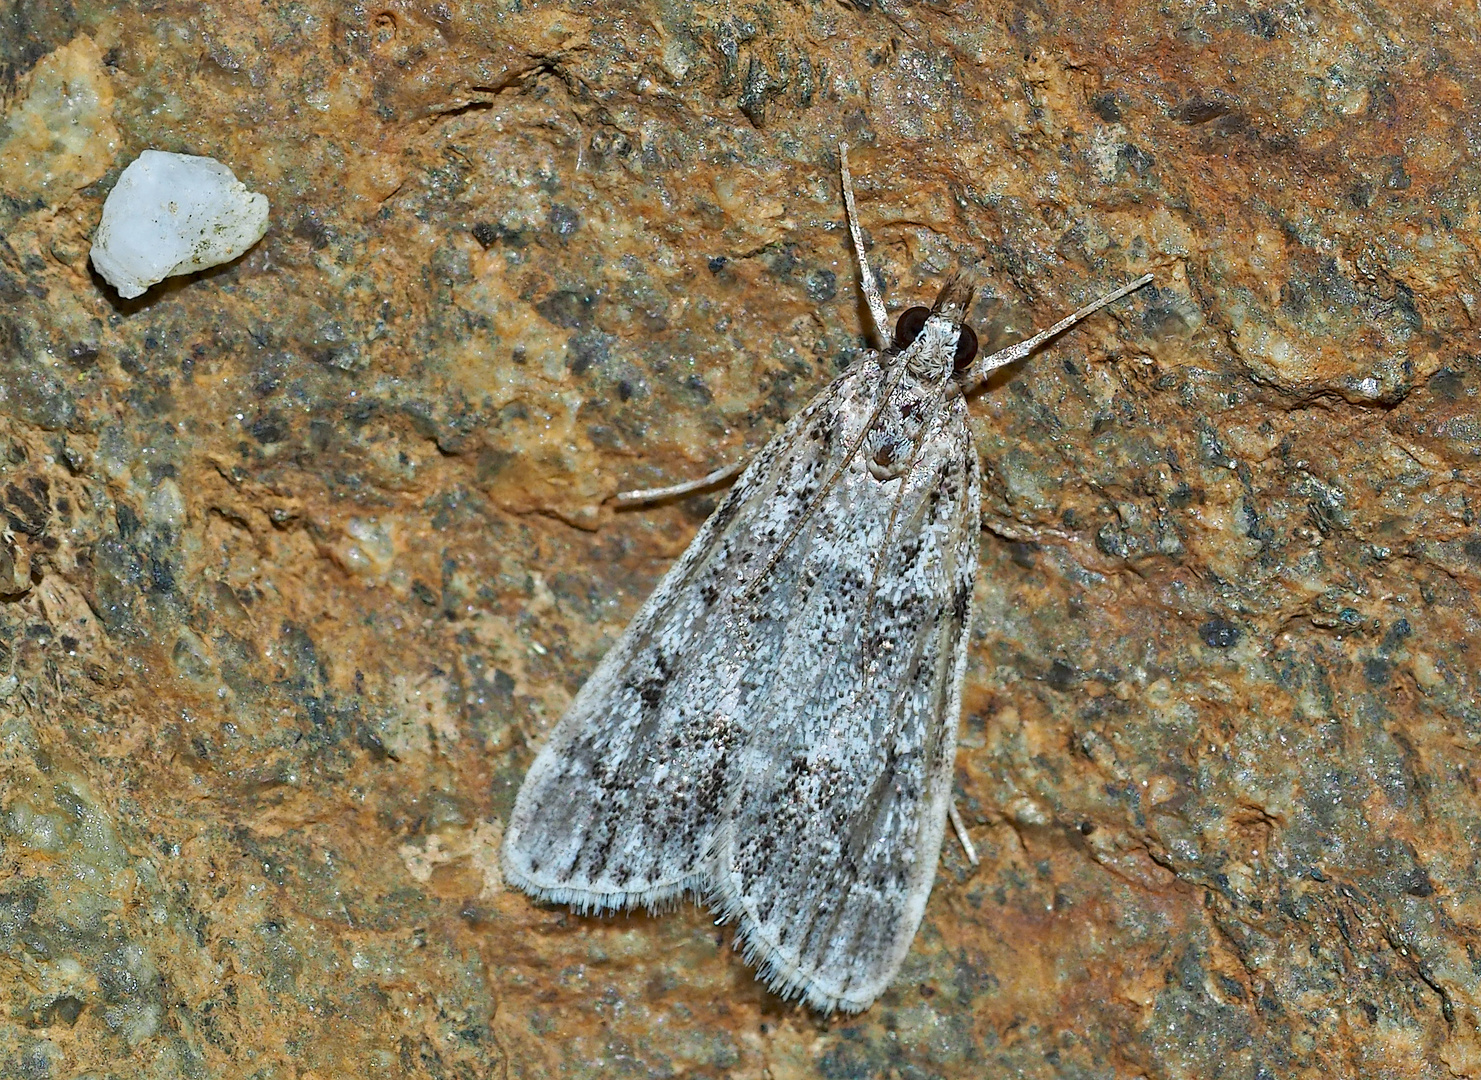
(775, 731)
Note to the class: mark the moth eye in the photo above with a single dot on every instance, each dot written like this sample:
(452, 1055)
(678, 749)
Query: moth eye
(966, 349)
(912, 321)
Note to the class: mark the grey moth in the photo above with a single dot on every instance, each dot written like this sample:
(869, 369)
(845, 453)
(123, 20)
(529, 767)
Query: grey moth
(775, 731)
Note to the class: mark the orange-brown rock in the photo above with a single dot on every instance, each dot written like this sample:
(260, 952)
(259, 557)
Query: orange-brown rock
(302, 555)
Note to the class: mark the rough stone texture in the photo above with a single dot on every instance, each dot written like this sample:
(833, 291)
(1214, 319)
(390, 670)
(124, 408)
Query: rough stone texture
(303, 554)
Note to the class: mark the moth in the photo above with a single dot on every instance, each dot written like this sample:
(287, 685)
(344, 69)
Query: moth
(775, 731)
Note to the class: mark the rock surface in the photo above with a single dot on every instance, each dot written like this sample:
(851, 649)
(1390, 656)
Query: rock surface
(303, 554)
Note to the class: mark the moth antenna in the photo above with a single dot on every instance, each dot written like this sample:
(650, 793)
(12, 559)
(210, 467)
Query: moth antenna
(877, 313)
(978, 372)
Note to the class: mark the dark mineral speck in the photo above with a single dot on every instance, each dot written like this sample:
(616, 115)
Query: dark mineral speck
(1219, 634)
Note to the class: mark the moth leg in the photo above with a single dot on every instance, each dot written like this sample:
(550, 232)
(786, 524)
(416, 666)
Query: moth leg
(974, 376)
(643, 496)
(877, 313)
(961, 832)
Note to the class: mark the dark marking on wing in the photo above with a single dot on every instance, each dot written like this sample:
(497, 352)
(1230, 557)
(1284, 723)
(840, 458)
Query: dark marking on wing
(961, 603)
(650, 688)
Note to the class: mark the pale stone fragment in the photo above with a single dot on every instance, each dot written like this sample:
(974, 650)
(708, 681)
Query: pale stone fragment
(174, 214)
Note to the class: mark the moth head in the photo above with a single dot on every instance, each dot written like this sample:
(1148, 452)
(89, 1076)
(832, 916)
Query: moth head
(935, 341)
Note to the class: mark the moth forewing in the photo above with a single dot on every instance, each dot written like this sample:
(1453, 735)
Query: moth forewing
(620, 805)
(827, 855)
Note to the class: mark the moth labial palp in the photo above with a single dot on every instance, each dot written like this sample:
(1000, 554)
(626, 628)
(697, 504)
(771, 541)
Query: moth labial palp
(792, 766)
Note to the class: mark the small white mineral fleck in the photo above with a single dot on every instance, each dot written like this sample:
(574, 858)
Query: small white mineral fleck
(174, 214)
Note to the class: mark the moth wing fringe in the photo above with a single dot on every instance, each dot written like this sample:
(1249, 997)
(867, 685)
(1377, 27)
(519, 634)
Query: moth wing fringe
(782, 977)
(656, 901)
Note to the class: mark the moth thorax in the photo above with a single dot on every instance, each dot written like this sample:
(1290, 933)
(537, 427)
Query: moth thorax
(933, 354)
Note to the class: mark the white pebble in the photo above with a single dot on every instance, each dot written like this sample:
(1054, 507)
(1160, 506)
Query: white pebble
(174, 214)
